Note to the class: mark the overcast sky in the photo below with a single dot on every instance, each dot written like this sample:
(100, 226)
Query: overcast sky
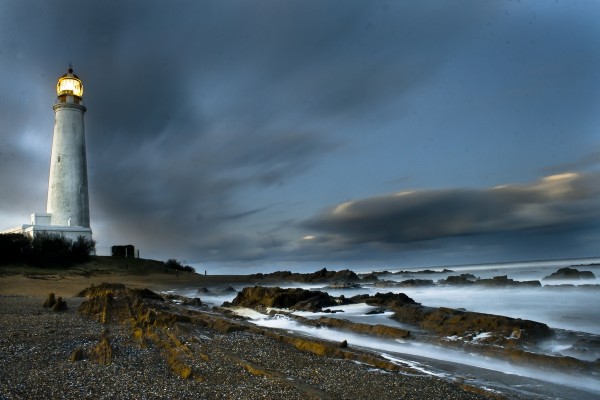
(267, 134)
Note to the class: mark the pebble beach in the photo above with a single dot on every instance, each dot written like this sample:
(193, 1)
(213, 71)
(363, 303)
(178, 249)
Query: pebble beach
(35, 363)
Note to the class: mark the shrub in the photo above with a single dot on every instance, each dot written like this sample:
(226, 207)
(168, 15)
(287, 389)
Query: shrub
(177, 266)
(82, 248)
(14, 248)
(44, 249)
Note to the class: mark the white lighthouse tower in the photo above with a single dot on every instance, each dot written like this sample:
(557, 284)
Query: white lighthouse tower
(68, 207)
(68, 200)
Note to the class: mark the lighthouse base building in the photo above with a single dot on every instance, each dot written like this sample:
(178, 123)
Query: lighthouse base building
(40, 224)
(67, 211)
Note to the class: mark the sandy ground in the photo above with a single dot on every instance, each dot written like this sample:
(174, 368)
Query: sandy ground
(70, 285)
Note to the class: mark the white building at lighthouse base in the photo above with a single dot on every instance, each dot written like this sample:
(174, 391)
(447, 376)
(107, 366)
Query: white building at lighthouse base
(40, 225)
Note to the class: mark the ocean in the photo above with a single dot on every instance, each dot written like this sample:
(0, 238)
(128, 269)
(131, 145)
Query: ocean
(570, 308)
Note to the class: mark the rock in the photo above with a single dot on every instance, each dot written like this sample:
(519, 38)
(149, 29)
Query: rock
(344, 344)
(338, 323)
(424, 271)
(102, 353)
(416, 282)
(370, 278)
(225, 290)
(324, 276)
(343, 285)
(146, 294)
(404, 283)
(321, 276)
(375, 311)
(203, 291)
(60, 305)
(570, 274)
(452, 322)
(384, 299)
(196, 302)
(50, 301)
(497, 281)
(505, 281)
(298, 299)
(77, 355)
(315, 303)
(462, 279)
(186, 301)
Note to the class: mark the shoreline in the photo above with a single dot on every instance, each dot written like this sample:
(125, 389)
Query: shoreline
(27, 290)
(237, 364)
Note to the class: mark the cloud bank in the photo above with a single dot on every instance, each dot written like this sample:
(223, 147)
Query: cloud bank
(565, 202)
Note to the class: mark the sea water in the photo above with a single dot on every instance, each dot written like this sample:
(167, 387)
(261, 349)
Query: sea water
(566, 308)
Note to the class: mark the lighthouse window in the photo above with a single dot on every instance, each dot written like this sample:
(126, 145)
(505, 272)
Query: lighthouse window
(59, 157)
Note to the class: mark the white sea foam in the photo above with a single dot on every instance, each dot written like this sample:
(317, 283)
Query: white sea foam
(393, 348)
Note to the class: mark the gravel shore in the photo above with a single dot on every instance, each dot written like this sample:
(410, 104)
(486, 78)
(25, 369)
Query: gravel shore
(36, 345)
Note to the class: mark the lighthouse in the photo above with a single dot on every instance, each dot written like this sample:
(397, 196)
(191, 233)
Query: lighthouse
(68, 206)
(68, 200)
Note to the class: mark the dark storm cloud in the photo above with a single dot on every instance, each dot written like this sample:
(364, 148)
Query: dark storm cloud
(557, 203)
(192, 103)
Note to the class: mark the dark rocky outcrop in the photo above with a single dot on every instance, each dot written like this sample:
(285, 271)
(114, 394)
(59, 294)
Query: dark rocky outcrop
(297, 299)
(466, 324)
(186, 301)
(343, 285)
(370, 329)
(375, 311)
(497, 281)
(505, 281)
(405, 283)
(60, 305)
(55, 303)
(103, 352)
(424, 271)
(570, 274)
(77, 355)
(321, 276)
(144, 312)
(462, 279)
(389, 300)
(369, 278)
(50, 301)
